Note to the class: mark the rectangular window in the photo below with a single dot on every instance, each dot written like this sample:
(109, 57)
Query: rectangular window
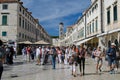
(82, 33)
(93, 26)
(87, 30)
(96, 25)
(115, 12)
(4, 6)
(19, 34)
(23, 23)
(4, 33)
(20, 9)
(108, 16)
(4, 20)
(90, 29)
(20, 21)
(23, 12)
(22, 35)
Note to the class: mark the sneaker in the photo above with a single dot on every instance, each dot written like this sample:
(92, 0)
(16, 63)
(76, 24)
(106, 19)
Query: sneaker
(74, 75)
(112, 72)
(100, 70)
(83, 74)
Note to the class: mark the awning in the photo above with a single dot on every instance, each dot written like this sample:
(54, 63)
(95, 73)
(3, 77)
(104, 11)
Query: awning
(3, 40)
(112, 31)
(102, 34)
(83, 41)
(41, 42)
(25, 42)
(108, 32)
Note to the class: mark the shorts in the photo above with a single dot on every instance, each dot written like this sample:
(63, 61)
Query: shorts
(38, 57)
(111, 61)
(98, 60)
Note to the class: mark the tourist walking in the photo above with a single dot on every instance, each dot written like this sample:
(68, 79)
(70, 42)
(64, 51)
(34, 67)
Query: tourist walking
(81, 59)
(38, 55)
(11, 55)
(54, 55)
(28, 53)
(59, 55)
(43, 54)
(98, 58)
(15, 51)
(117, 58)
(66, 55)
(33, 52)
(24, 53)
(1, 61)
(112, 58)
(73, 61)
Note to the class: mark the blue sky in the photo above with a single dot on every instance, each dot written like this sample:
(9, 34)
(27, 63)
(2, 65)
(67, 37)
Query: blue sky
(51, 12)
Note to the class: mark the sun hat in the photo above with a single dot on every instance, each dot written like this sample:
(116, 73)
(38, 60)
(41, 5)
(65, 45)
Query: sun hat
(113, 44)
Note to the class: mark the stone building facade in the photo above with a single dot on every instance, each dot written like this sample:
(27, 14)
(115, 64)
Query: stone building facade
(18, 24)
(98, 26)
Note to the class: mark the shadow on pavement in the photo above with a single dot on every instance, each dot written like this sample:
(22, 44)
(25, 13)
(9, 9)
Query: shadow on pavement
(93, 74)
(117, 73)
(17, 63)
(7, 68)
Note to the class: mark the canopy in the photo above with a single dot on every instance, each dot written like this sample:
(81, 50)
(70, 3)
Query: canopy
(3, 40)
(83, 41)
(41, 42)
(25, 42)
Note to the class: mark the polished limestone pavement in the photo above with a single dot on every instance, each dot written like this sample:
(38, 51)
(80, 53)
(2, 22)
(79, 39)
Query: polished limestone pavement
(21, 70)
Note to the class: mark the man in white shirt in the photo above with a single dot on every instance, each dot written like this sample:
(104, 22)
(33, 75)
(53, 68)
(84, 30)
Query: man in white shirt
(38, 55)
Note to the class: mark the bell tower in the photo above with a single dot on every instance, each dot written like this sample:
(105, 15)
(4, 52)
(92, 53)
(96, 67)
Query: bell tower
(61, 29)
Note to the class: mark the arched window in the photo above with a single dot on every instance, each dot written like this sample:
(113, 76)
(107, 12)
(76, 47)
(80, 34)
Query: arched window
(96, 6)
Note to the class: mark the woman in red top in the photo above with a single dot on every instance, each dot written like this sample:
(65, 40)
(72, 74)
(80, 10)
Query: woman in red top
(28, 53)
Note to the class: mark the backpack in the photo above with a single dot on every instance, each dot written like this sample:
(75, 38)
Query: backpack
(54, 53)
(93, 56)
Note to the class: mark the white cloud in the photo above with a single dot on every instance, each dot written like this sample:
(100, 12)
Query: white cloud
(50, 12)
(51, 9)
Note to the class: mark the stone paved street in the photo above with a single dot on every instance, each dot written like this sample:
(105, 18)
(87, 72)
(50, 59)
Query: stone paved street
(29, 71)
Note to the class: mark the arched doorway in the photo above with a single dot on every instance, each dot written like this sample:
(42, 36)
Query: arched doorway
(1, 43)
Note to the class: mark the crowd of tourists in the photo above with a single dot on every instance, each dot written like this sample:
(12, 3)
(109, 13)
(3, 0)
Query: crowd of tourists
(74, 56)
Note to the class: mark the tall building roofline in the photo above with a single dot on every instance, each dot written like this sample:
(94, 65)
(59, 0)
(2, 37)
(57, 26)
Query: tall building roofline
(9, 1)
